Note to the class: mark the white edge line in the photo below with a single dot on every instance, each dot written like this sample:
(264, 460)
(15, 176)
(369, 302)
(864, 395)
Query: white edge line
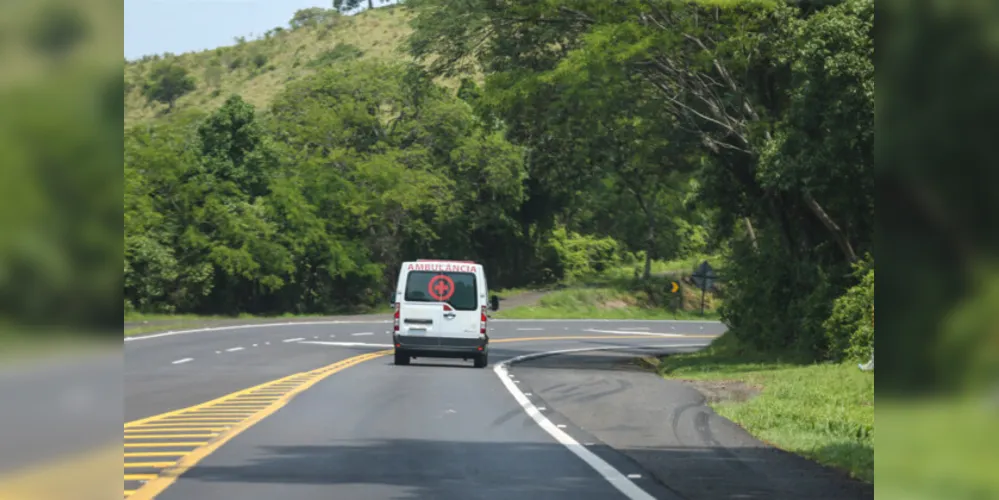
(182, 361)
(362, 334)
(293, 340)
(344, 322)
(612, 475)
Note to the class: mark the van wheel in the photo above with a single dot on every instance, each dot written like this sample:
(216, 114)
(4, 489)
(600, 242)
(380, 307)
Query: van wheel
(401, 358)
(481, 360)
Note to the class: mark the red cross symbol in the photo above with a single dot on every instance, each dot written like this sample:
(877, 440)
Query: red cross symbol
(441, 287)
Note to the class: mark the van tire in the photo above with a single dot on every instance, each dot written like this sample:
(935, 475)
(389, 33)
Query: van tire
(401, 358)
(481, 360)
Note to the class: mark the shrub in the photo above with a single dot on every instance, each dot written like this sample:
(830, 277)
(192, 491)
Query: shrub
(578, 255)
(850, 327)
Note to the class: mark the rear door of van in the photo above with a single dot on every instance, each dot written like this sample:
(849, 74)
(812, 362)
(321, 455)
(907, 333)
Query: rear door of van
(441, 303)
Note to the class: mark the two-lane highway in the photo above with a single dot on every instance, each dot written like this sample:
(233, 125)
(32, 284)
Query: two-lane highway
(314, 410)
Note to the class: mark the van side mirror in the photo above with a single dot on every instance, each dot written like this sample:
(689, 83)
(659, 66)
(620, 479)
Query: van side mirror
(494, 303)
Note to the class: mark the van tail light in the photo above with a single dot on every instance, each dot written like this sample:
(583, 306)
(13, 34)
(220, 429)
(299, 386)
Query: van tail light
(395, 322)
(447, 307)
(482, 322)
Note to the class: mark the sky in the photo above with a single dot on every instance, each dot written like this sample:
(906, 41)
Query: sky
(178, 26)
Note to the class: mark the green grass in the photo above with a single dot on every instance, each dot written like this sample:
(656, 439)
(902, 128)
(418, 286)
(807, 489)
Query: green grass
(938, 448)
(506, 293)
(824, 412)
(594, 303)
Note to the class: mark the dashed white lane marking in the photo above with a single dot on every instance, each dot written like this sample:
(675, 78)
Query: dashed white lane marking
(612, 475)
(218, 352)
(293, 340)
(254, 345)
(345, 344)
(316, 337)
(362, 334)
(234, 349)
(267, 343)
(529, 329)
(560, 426)
(182, 361)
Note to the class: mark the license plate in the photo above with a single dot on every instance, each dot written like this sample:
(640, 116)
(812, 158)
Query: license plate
(417, 331)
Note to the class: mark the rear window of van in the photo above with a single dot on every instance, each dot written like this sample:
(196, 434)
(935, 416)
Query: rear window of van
(457, 289)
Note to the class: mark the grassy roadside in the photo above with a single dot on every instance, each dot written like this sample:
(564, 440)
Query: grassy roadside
(617, 293)
(824, 412)
(944, 447)
(595, 303)
(612, 294)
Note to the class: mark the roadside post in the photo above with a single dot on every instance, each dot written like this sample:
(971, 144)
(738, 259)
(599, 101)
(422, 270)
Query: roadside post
(673, 287)
(704, 278)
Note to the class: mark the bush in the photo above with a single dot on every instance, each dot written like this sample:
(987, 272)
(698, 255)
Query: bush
(259, 60)
(579, 255)
(850, 327)
(342, 52)
(776, 302)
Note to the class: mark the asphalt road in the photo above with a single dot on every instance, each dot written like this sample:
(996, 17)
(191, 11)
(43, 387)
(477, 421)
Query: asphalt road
(434, 429)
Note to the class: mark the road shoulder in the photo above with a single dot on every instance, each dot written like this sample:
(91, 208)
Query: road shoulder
(668, 430)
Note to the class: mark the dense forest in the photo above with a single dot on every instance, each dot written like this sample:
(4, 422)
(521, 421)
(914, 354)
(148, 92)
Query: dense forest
(515, 134)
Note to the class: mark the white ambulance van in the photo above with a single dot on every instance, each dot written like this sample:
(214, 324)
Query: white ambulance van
(440, 311)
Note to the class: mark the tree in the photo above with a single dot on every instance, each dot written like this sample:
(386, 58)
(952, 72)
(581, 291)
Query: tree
(167, 82)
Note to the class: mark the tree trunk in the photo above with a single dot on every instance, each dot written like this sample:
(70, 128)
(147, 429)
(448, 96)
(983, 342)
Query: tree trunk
(650, 243)
(751, 232)
(371, 4)
(841, 239)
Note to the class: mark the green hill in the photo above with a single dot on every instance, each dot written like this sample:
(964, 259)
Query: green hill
(259, 69)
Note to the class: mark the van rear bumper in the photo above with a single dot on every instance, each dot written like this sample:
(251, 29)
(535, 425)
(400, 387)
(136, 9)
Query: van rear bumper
(440, 347)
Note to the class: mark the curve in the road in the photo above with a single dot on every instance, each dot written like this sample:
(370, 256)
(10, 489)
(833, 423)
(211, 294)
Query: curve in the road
(615, 477)
(162, 447)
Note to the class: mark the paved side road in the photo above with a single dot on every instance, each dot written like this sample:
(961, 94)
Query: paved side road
(665, 428)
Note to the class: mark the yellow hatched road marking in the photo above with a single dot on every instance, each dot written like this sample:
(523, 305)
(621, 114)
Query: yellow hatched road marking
(168, 436)
(164, 445)
(148, 465)
(200, 419)
(175, 429)
(137, 454)
(152, 488)
(139, 477)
